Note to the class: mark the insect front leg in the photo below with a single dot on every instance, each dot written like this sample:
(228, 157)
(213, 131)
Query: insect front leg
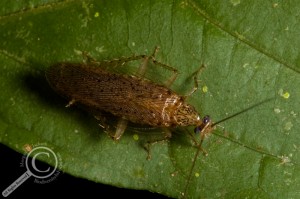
(195, 142)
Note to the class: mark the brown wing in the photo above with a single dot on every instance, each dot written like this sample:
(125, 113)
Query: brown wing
(139, 101)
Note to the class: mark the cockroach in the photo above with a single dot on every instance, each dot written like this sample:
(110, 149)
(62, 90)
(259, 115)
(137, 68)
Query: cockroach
(131, 98)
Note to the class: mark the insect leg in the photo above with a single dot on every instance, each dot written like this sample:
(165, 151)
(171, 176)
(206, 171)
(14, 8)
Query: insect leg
(195, 142)
(169, 82)
(121, 126)
(71, 103)
(147, 146)
(196, 75)
(103, 124)
(111, 63)
(142, 69)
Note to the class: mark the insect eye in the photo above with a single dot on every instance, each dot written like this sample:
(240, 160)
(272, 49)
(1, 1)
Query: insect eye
(197, 129)
(206, 119)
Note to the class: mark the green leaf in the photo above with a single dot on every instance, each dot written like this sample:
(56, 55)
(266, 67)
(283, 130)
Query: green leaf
(251, 53)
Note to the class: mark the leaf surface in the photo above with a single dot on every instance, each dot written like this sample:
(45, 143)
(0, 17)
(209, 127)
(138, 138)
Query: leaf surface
(251, 53)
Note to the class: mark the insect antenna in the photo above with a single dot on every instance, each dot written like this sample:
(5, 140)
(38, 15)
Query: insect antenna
(242, 111)
(205, 128)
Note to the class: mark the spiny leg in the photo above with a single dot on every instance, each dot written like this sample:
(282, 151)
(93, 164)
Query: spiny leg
(120, 128)
(111, 63)
(103, 124)
(142, 69)
(147, 146)
(196, 86)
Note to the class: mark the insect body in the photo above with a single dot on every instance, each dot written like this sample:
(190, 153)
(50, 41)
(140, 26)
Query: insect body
(131, 98)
